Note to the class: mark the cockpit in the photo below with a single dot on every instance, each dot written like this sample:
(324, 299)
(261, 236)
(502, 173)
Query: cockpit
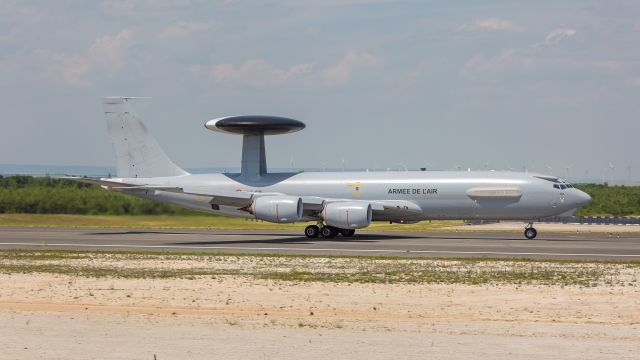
(563, 186)
(557, 182)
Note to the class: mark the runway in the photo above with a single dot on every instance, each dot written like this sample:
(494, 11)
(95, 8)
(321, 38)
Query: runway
(428, 244)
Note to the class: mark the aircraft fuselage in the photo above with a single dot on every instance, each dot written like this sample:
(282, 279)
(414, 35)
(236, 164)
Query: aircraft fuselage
(438, 194)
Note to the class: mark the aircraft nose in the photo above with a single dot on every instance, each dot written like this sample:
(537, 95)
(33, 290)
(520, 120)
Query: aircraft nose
(582, 198)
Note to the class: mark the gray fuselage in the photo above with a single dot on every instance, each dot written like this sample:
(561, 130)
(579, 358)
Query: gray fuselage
(437, 194)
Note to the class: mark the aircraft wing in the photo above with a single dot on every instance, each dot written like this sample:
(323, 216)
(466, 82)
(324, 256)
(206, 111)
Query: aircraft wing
(243, 199)
(238, 199)
(119, 186)
(383, 210)
(391, 210)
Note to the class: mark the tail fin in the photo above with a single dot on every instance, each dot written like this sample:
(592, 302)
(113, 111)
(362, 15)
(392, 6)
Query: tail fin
(138, 154)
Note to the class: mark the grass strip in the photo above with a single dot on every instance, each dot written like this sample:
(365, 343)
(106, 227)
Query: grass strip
(374, 270)
(538, 276)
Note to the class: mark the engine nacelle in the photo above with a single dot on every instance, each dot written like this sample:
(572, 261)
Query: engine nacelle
(347, 214)
(277, 209)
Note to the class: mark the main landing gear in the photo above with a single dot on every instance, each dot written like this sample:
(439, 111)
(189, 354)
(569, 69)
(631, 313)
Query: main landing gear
(530, 232)
(327, 232)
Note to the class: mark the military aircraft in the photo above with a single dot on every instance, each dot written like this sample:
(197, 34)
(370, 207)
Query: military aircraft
(339, 202)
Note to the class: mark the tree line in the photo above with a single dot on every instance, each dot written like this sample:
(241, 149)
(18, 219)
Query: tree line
(46, 195)
(611, 200)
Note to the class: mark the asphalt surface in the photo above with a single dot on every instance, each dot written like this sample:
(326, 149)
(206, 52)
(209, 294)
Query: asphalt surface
(424, 244)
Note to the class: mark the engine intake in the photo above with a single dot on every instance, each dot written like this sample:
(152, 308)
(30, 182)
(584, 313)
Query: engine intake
(278, 209)
(347, 214)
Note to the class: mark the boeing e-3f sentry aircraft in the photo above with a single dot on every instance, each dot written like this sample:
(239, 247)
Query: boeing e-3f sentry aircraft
(339, 202)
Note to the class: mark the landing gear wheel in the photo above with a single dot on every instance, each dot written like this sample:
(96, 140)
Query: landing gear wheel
(530, 233)
(347, 232)
(328, 232)
(312, 231)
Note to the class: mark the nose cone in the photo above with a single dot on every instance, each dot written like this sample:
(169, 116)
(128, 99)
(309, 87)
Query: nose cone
(582, 198)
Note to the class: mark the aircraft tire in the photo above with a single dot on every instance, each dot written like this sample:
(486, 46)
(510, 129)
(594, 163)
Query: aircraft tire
(328, 232)
(347, 232)
(312, 231)
(530, 233)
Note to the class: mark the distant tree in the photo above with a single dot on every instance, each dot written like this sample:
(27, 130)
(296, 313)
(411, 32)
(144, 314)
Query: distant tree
(45, 195)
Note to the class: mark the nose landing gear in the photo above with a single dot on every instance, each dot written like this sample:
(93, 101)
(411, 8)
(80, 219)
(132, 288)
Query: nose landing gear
(530, 232)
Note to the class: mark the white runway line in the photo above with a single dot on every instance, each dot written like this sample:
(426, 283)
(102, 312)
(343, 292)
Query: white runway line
(315, 249)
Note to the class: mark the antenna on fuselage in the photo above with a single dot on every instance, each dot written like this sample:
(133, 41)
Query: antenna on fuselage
(253, 128)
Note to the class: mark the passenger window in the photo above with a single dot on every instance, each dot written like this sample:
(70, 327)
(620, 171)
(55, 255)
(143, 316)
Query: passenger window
(562, 187)
(556, 186)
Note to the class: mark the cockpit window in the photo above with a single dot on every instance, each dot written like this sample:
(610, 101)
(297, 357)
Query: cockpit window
(558, 183)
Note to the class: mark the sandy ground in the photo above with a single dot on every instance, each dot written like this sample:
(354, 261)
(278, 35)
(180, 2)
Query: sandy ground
(48, 316)
(549, 227)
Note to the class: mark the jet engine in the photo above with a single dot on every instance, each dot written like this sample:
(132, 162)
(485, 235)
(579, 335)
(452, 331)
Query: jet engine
(278, 209)
(347, 214)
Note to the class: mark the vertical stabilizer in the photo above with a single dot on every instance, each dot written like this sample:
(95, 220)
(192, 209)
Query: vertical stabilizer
(138, 154)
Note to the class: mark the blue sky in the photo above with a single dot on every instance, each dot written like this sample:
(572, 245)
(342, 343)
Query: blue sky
(385, 84)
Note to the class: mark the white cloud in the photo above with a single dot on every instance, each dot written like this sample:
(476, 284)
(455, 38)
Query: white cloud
(185, 29)
(106, 54)
(634, 82)
(505, 60)
(167, 3)
(341, 72)
(512, 60)
(118, 7)
(131, 7)
(66, 69)
(556, 35)
(258, 73)
(491, 24)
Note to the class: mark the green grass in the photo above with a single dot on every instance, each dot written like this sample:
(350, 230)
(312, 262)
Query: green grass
(389, 275)
(184, 222)
(333, 269)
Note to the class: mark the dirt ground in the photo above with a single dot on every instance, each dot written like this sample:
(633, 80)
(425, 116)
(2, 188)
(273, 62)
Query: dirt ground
(53, 316)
